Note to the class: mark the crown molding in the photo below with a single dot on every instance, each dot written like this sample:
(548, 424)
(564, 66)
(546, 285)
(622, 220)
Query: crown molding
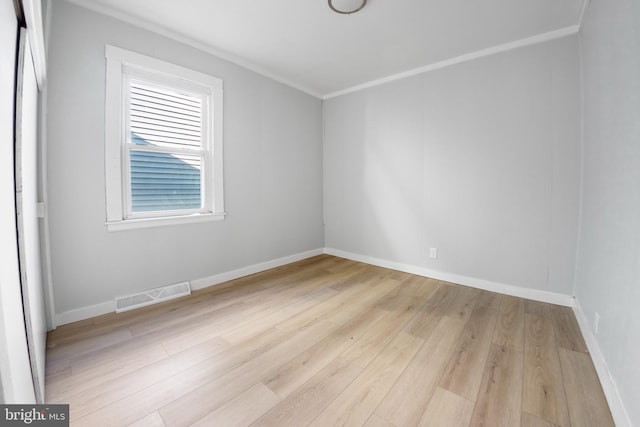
(170, 34)
(537, 39)
(583, 11)
(163, 31)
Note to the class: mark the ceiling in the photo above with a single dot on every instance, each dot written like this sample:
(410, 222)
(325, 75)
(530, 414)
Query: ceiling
(304, 44)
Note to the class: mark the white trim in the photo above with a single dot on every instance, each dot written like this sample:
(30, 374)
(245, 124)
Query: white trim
(158, 29)
(205, 282)
(618, 411)
(85, 313)
(583, 11)
(123, 65)
(502, 288)
(45, 244)
(540, 38)
(216, 113)
(33, 18)
(109, 306)
(132, 224)
(252, 269)
(156, 66)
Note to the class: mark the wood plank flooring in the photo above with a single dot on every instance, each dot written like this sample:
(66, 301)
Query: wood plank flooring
(325, 342)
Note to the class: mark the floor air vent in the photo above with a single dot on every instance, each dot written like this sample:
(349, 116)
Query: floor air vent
(152, 296)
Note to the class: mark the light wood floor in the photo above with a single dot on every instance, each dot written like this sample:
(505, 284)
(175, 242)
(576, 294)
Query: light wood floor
(325, 342)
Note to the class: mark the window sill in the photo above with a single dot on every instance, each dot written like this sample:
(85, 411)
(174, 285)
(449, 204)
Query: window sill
(131, 224)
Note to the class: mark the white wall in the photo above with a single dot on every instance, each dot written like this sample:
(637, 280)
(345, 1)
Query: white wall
(480, 160)
(608, 266)
(273, 171)
(15, 373)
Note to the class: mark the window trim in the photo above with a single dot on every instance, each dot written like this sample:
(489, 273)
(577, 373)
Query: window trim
(206, 177)
(119, 64)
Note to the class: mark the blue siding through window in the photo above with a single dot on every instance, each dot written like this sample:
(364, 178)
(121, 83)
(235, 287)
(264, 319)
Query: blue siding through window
(160, 117)
(162, 181)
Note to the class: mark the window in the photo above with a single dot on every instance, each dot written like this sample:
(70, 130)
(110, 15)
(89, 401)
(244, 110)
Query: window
(163, 143)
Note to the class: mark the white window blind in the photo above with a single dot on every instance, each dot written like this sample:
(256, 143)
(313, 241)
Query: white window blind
(165, 146)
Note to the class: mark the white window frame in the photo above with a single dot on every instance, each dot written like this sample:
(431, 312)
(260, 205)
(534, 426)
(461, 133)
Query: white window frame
(122, 65)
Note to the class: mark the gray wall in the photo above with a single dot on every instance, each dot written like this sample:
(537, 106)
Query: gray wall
(608, 267)
(273, 171)
(480, 160)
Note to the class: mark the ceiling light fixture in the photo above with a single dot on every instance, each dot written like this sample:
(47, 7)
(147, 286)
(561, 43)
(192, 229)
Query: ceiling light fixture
(346, 7)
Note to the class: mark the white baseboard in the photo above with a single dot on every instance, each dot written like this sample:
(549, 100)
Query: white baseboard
(109, 306)
(85, 313)
(252, 269)
(544, 296)
(533, 294)
(618, 411)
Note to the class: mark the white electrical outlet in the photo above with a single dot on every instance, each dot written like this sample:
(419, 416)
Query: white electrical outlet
(596, 323)
(433, 253)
